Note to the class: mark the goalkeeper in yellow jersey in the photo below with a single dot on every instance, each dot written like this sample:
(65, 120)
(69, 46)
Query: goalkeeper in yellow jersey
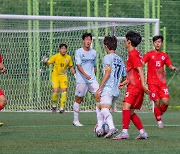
(61, 61)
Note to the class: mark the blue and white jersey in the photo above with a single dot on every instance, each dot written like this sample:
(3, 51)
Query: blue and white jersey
(87, 60)
(117, 71)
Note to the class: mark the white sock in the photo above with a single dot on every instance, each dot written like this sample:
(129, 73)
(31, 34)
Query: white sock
(141, 131)
(125, 130)
(100, 118)
(160, 122)
(76, 108)
(108, 117)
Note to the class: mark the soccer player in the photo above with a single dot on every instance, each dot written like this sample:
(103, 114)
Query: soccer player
(85, 59)
(61, 62)
(135, 89)
(156, 78)
(113, 70)
(2, 97)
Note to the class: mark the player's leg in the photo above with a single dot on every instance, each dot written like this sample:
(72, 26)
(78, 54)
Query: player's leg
(55, 86)
(154, 95)
(137, 122)
(126, 117)
(164, 95)
(106, 102)
(93, 87)
(2, 102)
(63, 85)
(164, 105)
(80, 92)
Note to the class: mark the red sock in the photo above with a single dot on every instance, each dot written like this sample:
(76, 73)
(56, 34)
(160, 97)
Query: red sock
(137, 122)
(163, 108)
(126, 117)
(1, 107)
(157, 113)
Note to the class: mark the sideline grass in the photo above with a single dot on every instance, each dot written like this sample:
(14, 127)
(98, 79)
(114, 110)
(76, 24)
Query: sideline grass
(54, 133)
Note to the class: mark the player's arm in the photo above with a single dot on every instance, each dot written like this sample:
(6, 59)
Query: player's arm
(123, 82)
(45, 61)
(3, 69)
(105, 78)
(73, 70)
(95, 70)
(173, 68)
(82, 71)
(141, 74)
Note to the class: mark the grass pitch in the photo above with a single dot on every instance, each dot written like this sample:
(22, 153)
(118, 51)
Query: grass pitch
(47, 133)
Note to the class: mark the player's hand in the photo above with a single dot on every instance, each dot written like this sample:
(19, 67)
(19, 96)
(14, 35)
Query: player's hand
(87, 77)
(44, 59)
(175, 69)
(120, 86)
(97, 95)
(3, 70)
(75, 75)
(146, 90)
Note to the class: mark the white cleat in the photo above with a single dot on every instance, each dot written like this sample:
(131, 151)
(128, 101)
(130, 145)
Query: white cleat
(121, 136)
(77, 124)
(111, 133)
(160, 125)
(142, 136)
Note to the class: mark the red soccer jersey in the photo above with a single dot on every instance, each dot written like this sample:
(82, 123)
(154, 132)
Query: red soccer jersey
(134, 60)
(0, 58)
(156, 61)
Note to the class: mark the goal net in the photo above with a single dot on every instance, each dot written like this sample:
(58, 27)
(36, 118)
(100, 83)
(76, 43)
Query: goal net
(25, 39)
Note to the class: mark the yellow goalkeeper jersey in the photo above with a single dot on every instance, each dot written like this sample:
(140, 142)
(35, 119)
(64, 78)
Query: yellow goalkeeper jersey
(60, 64)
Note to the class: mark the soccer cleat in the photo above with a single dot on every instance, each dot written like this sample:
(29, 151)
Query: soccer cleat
(160, 125)
(111, 132)
(99, 133)
(77, 124)
(53, 109)
(61, 111)
(1, 123)
(121, 136)
(142, 136)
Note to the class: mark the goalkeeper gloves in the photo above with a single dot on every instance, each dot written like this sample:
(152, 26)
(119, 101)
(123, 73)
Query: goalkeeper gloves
(75, 75)
(44, 59)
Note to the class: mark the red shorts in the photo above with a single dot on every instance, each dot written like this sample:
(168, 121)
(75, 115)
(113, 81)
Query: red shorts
(158, 91)
(134, 96)
(1, 92)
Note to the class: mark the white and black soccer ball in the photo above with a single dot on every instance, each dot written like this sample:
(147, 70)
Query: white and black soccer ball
(105, 129)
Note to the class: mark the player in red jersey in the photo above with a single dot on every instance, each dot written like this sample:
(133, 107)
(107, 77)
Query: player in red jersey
(2, 97)
(135, 89)
(156, 78)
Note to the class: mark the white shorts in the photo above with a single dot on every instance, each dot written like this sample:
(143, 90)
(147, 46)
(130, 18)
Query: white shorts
(106, 98)
(83, 88)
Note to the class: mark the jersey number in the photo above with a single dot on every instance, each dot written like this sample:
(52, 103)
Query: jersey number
(158, 63)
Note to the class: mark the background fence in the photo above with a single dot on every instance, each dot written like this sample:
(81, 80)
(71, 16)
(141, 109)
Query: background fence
(168, 11)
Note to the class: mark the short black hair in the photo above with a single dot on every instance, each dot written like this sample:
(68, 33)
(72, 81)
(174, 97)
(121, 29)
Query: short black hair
(87, 35)
(110, 42)
(134, 37)
(62, 45)
(157, 37)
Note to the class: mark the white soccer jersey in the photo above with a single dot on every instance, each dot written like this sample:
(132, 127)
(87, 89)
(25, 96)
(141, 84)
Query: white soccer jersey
(117, 71)
(87, 60)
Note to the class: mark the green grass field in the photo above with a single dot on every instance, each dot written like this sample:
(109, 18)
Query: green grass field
(34, 132)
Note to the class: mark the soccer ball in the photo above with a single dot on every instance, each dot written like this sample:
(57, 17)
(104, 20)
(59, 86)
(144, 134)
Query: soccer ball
(105, 129)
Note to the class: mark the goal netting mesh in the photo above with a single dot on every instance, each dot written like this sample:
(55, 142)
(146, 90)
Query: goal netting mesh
(24, 40)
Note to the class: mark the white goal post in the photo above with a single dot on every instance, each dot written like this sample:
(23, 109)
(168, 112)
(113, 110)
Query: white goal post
(25, 39)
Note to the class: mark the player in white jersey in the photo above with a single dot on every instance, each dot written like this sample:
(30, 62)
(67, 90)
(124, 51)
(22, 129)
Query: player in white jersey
(85, 59)
(113, 70)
